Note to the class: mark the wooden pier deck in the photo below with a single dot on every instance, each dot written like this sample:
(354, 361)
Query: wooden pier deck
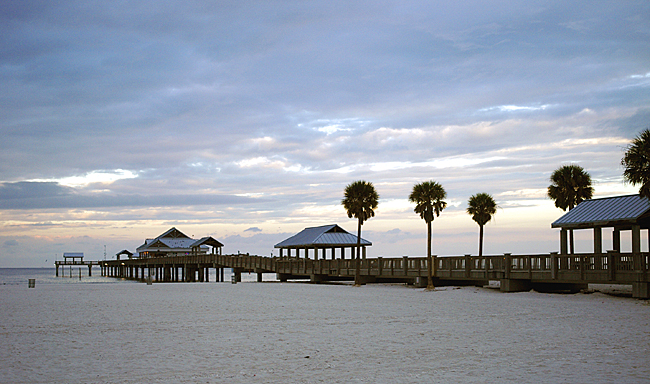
(76, 263)
(545, 272)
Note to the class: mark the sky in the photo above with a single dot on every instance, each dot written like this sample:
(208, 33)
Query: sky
(246, 120)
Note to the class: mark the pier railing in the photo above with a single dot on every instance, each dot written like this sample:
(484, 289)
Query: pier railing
(597, 267)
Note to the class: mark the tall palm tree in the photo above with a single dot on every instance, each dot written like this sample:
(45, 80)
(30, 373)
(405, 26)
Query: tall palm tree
(637, 163)
(428, 197)
(570, 185)
(481, 206)
(360, 200)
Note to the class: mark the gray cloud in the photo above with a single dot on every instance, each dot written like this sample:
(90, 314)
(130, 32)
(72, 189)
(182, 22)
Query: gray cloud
(36, 195)
(11, 243)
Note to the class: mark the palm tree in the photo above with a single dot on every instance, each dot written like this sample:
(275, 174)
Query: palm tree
(637, 163)
(360, 200)
(481, 206)
(570, 185)
(428, 197)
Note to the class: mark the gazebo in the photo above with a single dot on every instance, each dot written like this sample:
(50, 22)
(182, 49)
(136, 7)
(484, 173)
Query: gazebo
(173, 243)
(320, 239)
(623, 213)
(208, 240)
(124, 252)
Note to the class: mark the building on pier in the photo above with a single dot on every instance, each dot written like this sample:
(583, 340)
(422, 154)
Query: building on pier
(124, 252)
(319, 240)
(73, 258)
(622, 213)
(175, 243)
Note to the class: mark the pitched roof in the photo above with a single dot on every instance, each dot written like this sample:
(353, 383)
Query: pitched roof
(173, 233)
(619, 211)
(324, 236)
(208, 240)
(172, 238)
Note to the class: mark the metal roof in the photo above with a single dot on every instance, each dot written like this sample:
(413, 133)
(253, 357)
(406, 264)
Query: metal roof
(172, 238)
(208, 240)
(325, 236)
(620, 211)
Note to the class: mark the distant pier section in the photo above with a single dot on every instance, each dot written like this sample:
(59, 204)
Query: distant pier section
(75, 259)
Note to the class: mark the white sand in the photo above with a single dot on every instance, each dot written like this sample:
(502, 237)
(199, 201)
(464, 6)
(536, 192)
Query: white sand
(302, 333)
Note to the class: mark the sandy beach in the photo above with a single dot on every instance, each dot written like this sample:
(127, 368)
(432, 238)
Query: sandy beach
(303, 333)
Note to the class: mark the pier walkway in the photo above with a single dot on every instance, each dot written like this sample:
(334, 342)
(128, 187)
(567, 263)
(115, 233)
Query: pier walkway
(74, 259)
(545, 272)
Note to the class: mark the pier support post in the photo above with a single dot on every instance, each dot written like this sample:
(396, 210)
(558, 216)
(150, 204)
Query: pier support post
(283, 277)
(641, 290)
(515, 285)
(317, 278)
(553, 265)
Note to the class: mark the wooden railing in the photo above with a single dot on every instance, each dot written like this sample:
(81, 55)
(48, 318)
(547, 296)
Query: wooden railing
(610, 267)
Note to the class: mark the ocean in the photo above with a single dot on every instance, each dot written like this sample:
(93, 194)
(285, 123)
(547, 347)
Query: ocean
(106, 330)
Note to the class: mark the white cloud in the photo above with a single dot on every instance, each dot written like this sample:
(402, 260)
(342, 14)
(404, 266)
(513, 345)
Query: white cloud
(105, 177)
(516, 108)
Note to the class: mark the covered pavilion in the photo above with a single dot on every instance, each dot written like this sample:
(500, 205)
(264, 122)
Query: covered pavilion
(124, 252)
(175, 243)
(622, 213)
(320, 239)
(209, 241)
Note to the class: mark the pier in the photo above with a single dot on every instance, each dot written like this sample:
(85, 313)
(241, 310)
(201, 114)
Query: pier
(545, 272)
(74, 259)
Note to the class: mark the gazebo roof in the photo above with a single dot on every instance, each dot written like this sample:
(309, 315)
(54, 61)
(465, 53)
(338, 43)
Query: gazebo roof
(171, 239)
(208, 240)
(124, 252)
(620, 211)
(325, 236)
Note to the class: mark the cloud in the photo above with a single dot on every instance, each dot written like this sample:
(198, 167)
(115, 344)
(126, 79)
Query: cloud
(48, 195)
(11, 243)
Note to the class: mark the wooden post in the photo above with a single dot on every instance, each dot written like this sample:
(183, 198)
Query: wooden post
(563, 242)
(616, 240)
(508, 264)
(380, 266)
(636, 239)
(467, 266)
(598, 240)
(611, 264)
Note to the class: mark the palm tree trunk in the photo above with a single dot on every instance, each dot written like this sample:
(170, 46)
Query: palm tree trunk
(480, 241)
(430, 285)
(357, 267)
